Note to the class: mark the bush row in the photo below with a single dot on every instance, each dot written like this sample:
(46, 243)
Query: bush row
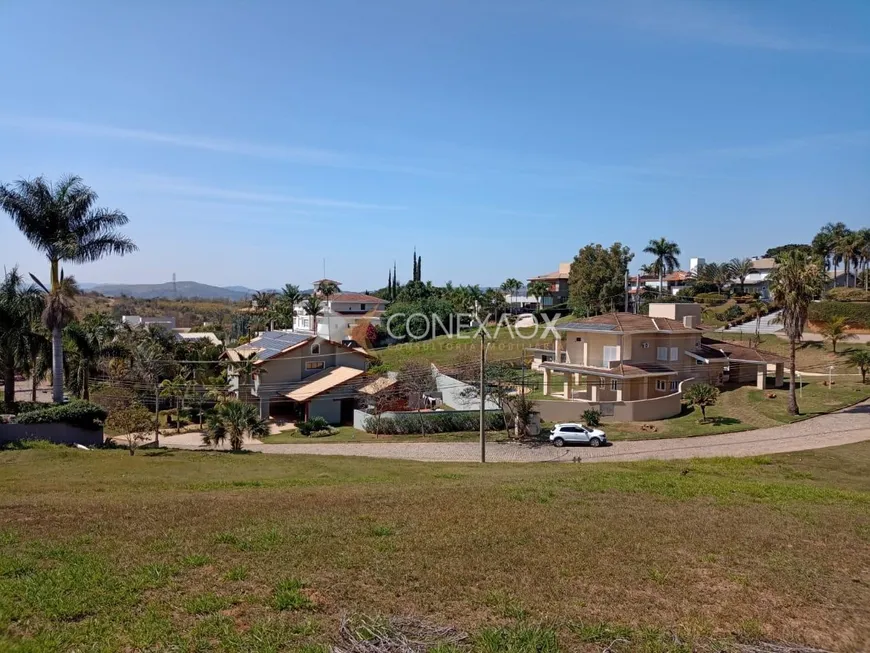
(848, 295)
(856, 313)
(443, 422)
(77, 413)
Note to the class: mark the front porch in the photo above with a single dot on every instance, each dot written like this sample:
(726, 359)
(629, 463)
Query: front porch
(623, 383)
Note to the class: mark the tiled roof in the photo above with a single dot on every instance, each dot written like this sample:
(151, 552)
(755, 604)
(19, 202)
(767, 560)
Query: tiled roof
(712, 349)
(550, 276)
(355, 297)
(626, 323)
(323, 382)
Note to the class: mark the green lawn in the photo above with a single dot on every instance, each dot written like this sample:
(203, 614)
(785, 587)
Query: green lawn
(745, 407)
(204, 551)
(350, 434)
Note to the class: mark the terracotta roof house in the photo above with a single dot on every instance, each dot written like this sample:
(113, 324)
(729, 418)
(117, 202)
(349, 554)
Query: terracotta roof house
(635, 367)
(672, 283)
(298, 376)
(558, 280)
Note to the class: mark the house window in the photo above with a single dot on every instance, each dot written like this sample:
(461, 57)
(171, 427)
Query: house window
(698, 362)
(578, 339)
(315, 349)
(673, 386)
(661, 385)
(545, 358)
(675, 353)
(661, 353)
(610, 354)
(314, 365)
(614, 384)
(362, 307)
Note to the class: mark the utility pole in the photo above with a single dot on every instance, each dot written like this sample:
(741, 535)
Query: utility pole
(156, 415)
(482, 396)
(626, 290)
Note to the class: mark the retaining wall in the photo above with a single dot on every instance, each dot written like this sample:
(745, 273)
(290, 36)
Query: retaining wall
(57, 433)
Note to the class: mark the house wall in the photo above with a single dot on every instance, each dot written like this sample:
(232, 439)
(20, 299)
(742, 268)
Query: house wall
(328, 409)
(675, 311)
(56, 433)
(631, 349)
(623, 411)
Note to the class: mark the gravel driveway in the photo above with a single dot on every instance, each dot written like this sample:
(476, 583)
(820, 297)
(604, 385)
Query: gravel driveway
(848, 426)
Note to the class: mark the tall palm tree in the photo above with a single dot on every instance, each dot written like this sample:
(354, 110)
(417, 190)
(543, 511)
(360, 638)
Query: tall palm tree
(177, 388)
(825, 245)
(62, 222)
(287, 300)
(538, 289)
(234, 420)
(512, 286)
(327, 288)
(864, 252)
(849, 249)
(836, 329)
(794, 283)
(313, 307)
(16, 302)
(740, 269)
(666, 261)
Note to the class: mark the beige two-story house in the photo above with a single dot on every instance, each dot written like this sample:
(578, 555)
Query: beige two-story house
(298, 376)
(634, 367)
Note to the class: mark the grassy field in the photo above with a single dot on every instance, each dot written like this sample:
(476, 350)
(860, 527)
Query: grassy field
(350, 434)
(744, 408)
(101, 551)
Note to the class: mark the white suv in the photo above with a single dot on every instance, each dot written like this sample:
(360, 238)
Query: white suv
(564, 433)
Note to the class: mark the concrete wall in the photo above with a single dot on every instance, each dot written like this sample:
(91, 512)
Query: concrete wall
(451, 392)
(57, 433)
(623, 411)
(676, 311)
(328, 409)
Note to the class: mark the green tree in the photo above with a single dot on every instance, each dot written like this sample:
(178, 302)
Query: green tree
(133, 422)
(774, 252)
(665, 255)
(61, 221)
(714, 274)
(538, 289)
(741, 268)
(177, 388)
(794, 283)
(836, 330)
(327, 288)
(597, 278)
(313, 308)
(233, 420)
(512, 286)
(860, 358)
(86, 347)
(848, 248)
(16, 313)
(286, 304)
(702, 395)
(825, 245)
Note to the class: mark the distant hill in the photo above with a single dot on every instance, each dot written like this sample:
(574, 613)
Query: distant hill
(186, 289)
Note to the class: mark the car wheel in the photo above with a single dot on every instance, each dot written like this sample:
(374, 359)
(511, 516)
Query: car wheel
(558, 442)
(594, 442)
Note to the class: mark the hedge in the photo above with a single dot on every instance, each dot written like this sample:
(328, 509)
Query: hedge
(857, 314)
(848, 295)
(710, 298)
(441, 422)
(77, 413)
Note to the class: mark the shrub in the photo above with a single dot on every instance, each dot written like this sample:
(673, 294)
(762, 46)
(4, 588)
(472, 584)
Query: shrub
(731, 314)
(848, 295)
(313, 426)
(710, 298)
(77, 413)
(443, 422)
(857, 314)
(592, 417)
(702, 395)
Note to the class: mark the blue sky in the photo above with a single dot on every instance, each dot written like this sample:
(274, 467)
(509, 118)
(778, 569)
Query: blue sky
(248, 141)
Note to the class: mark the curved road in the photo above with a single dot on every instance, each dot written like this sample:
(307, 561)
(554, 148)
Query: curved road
(845, 427)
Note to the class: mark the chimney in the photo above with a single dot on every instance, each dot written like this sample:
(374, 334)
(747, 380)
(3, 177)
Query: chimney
(689, 321)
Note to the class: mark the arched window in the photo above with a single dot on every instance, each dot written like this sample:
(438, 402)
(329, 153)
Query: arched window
(315, 349)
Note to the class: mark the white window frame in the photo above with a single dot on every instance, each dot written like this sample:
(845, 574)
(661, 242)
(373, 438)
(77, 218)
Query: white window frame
(314, 365)
(661, 353)
(661, 385)
(614, 384)
(315, 349)
(675, 354)
(674, 386)
(613, 350)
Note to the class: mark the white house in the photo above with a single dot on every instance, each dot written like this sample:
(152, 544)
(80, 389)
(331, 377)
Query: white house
(342, 312)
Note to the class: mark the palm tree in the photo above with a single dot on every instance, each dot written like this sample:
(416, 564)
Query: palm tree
(86, 347)
(538, 289)
(835, 330)
(794, 283)
(665, 253)
(234, 420)
(327, 288)
(864, 253)
(313, 307)
(860, 358)
(715, 274)
(61, 221)
(287, 300)
(16, 307)
(511, 286)
(758, 308)
(176, 387)
(848, 247)
(740, 269)
(825, 245)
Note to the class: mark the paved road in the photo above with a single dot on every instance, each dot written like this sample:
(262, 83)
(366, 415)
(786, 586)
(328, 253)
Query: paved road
(848, 426)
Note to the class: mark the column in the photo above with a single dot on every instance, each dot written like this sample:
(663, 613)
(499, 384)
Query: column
(619, 389)
(546, 388)
(264, 408)
(558, 348)
(779, 374)
(576, 378)
(569, 386)
(761, 376)
(593, 388)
